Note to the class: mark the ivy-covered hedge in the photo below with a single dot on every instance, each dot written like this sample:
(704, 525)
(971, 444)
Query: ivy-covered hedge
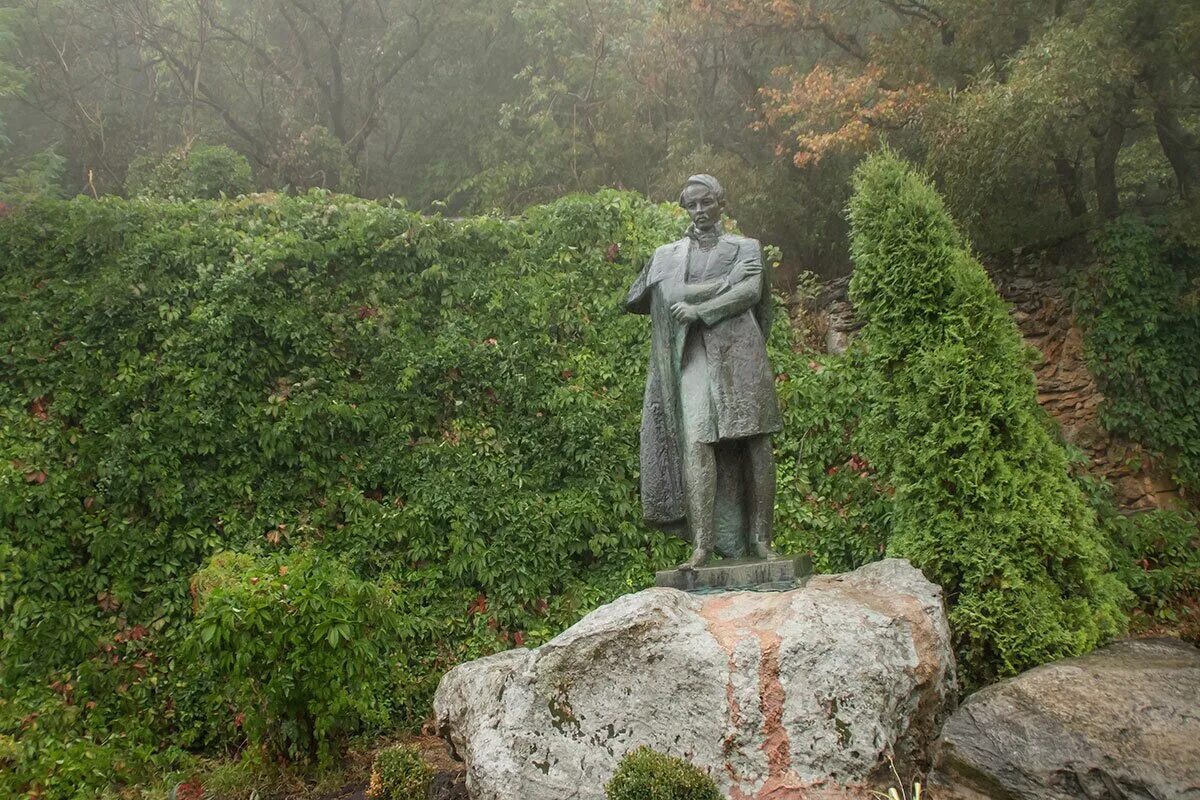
(447, 410)
(1141, 318)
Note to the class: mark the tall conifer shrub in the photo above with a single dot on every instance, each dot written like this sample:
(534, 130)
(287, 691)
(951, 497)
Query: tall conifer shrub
(984, 503)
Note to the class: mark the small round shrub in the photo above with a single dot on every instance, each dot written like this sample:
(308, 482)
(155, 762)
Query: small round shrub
(190, 173)
(315, 159)
(647, 775)
(298, 644)
(399, 773)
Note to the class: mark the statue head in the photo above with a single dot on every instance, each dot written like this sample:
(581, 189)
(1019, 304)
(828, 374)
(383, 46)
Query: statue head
(704, 200)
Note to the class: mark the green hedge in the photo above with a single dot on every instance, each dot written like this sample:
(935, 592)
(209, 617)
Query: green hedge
(984, 502)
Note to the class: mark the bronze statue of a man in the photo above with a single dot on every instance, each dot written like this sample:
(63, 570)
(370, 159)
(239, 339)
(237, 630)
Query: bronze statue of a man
(708, 470)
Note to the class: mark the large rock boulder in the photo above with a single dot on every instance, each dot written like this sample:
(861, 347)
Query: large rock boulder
(1122, 723)
(773, 692)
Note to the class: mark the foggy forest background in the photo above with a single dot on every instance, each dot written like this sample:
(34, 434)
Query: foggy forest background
(1037, 118)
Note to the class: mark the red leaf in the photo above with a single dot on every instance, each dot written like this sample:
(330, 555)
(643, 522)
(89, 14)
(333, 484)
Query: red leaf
(191, 789)
(479, 606)
(38, 477)
(38, 408)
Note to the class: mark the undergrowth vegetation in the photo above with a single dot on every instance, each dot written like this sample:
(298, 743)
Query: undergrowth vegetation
(1160, 560)
(399, 773)
(201, 172)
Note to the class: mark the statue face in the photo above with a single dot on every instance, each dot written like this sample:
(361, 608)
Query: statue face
(701, 205)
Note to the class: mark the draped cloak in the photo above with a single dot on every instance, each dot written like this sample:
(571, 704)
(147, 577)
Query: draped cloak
(732, 328)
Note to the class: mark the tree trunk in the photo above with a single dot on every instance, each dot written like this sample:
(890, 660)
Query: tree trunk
(1106, 169)
(1162, 80)
(1180, 148)
(1067, 171)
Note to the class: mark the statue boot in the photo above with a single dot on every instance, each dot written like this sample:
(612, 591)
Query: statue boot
(702, 551)
(761, 547)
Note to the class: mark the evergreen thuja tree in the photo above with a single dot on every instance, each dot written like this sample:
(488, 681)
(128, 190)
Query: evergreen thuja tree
(984, 504)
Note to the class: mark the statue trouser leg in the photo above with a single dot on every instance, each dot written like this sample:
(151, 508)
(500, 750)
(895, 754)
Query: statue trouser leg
(760, 493)
(700, 489)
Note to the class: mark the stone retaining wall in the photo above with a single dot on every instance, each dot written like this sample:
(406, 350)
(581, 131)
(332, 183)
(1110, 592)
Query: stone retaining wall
(1066, 388)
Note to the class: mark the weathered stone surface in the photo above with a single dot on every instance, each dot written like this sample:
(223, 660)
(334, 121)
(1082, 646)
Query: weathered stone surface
(1120, 723)
(1070, 394)
(832, 321)
(773, 692)
(735, 574)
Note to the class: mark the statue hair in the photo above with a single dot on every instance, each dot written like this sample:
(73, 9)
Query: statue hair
(708, 182)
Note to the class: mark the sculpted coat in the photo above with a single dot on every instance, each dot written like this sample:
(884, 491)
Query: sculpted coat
(731, 331)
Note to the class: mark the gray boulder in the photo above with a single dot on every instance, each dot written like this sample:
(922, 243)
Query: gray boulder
(1122, 723)
(774, 693)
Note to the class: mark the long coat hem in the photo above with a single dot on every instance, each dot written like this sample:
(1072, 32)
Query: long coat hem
(732, 326)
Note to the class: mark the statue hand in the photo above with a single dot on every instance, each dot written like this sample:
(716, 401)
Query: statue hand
(684, 313)
(743, 270)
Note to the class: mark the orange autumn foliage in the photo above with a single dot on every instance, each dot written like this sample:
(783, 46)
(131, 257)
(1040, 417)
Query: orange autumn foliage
(834, 109)
(843, 102)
